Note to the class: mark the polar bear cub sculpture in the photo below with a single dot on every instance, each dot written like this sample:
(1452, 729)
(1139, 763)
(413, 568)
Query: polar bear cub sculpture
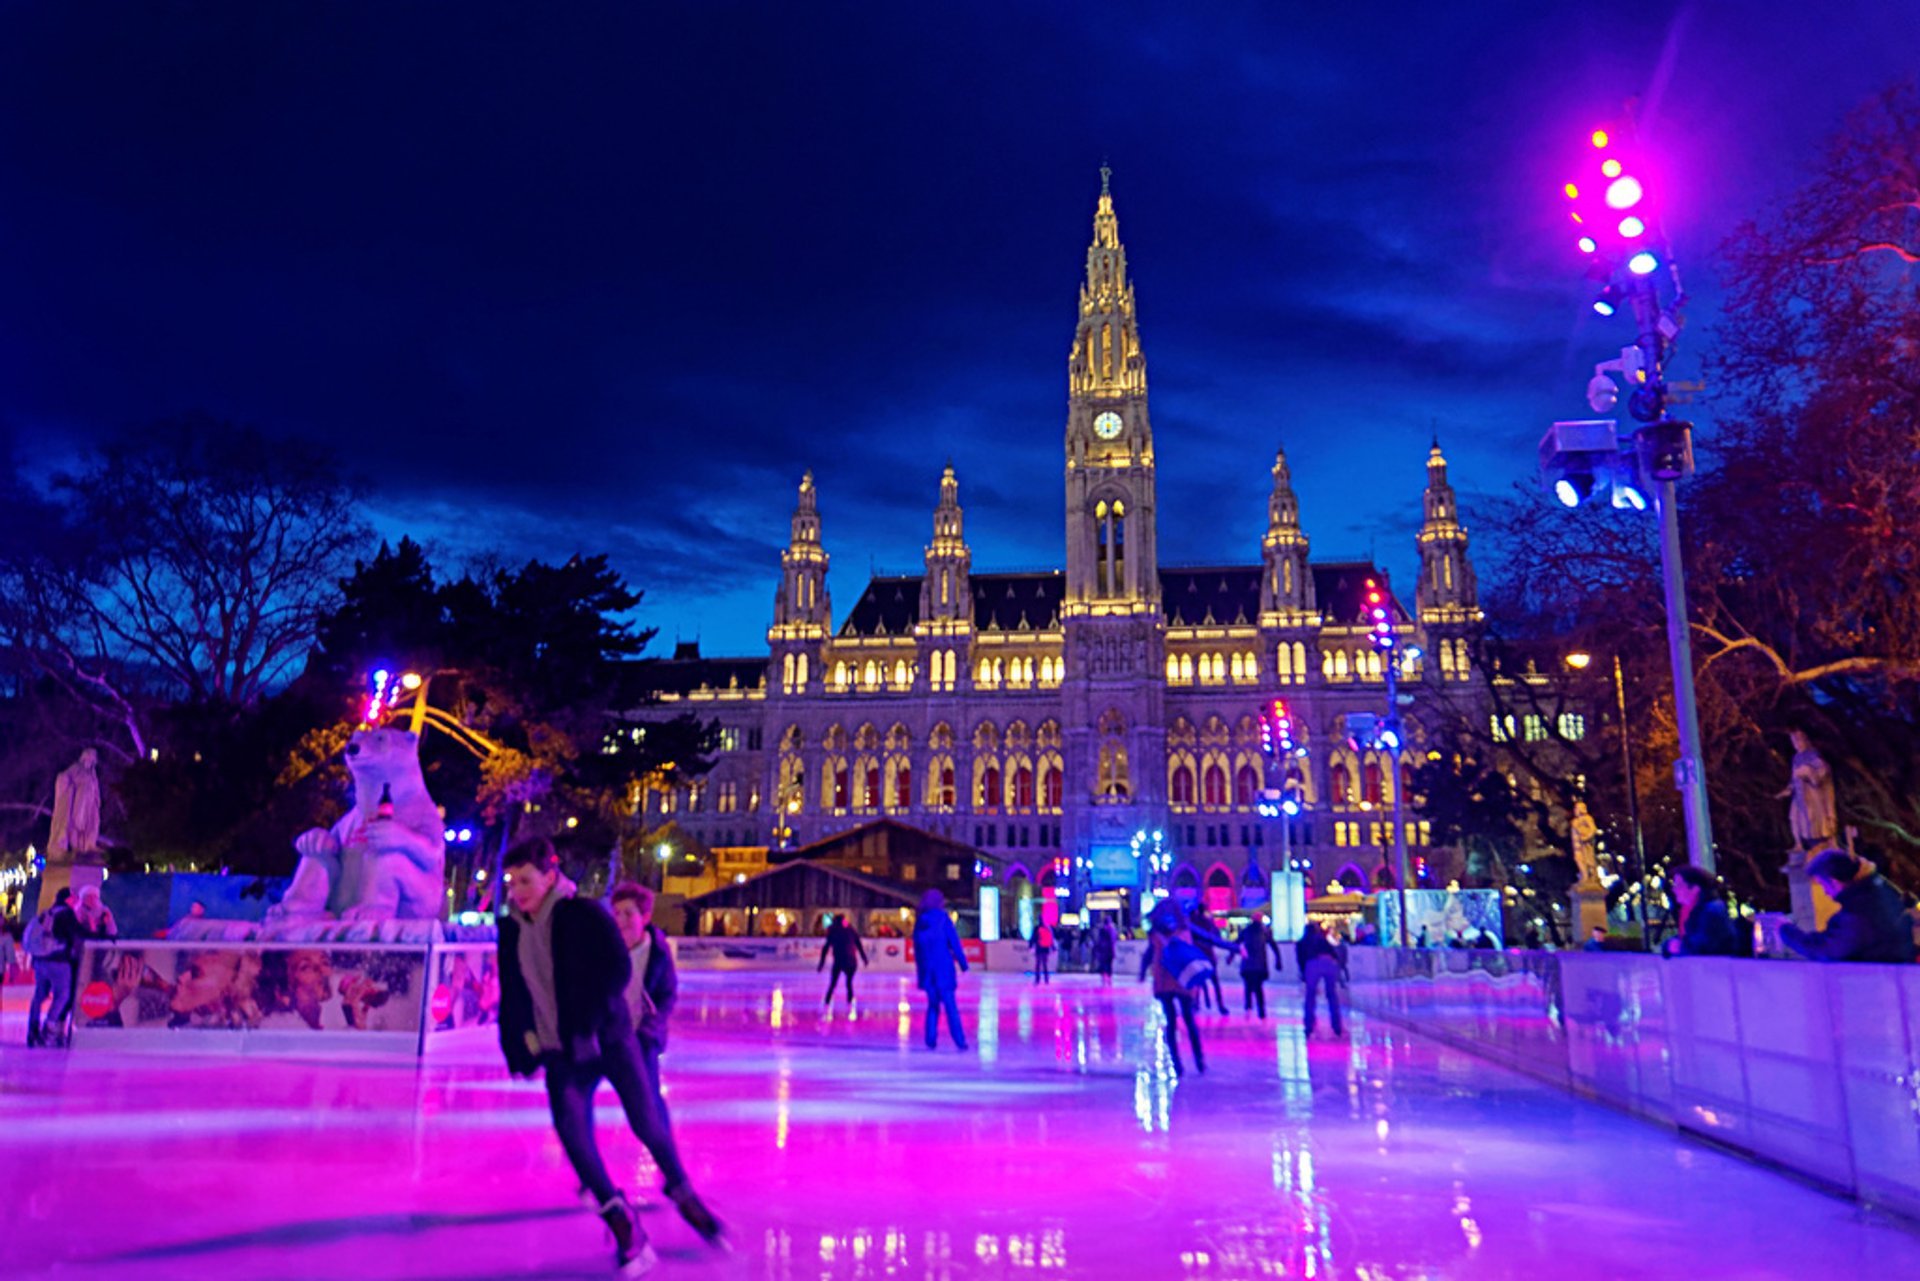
(368, 867)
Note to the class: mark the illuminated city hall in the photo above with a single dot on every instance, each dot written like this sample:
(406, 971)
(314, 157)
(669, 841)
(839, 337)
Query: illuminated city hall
(1049, 719)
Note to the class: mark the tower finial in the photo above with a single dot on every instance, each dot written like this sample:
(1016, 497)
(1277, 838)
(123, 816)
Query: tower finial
(1106, 176)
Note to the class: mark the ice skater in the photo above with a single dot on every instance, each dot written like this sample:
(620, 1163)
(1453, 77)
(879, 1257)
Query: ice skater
(1171, 951)
(654, 986)
(564, 972)
(1204, 930)
(843, 946)
(53, 946)
(1042, 944)
(1319, 961)
(1106, 942)
(938, 958)
(1255, 942)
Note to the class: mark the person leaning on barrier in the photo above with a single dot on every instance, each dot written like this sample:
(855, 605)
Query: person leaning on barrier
(1705, 927)
(1871, 924)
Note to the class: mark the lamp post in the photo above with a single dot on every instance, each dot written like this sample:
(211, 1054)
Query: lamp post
(662, 854)
(1614, 211)
(1580, 662)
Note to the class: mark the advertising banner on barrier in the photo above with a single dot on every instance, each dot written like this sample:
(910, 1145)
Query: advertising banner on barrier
(466, 987)
(183, 989)
(1437, 917)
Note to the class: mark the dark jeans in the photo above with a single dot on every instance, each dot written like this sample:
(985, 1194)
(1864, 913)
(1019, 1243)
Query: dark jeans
(1040, 972)
(650, 1060)
(1323, 971)
(1179, 1005)
(50, 979)
(570, 1088)
(1256, 986)
(838, 974)
(1219, 997)
(950, 1002)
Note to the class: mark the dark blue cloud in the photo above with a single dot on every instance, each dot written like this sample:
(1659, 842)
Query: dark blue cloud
(593, 277)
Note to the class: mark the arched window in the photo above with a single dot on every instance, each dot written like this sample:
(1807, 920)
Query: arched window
(1023, 787)
(1341, 783)
(1246, 785)
(1373, 783)
(1053, 785)
(837, 784)
(989, 798)
(869, 784)
(1186, 668)
(800, 672)
(1215, 787)
(945, 791)
(1180, 787)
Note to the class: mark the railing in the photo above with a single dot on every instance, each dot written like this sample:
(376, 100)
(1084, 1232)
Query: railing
(1813, 1067)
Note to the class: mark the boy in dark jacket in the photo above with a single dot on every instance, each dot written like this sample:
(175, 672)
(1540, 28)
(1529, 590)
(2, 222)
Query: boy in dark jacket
(563, 1012)
(1871, 924)
(655, 983)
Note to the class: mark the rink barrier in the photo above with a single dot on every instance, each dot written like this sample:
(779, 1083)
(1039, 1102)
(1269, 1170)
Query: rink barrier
(1811, 1067)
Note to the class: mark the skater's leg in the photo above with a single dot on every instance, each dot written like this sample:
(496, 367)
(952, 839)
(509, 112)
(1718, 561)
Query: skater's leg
(952, 1003)
(570, 1098)
(1170, 1029)
(933, 1020)
(627, 1074)
(1193, 1032)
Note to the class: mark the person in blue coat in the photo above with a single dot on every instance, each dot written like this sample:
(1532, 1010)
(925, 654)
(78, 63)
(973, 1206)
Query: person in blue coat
(1705, 927)
(939, 961)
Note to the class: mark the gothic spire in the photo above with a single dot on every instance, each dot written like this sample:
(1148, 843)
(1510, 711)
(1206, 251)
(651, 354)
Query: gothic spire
(1106, 360)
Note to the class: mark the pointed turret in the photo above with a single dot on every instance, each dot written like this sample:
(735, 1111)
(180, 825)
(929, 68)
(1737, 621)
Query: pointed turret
(802, 611)
(1286, 588)
(945, 593)
(1448, 595)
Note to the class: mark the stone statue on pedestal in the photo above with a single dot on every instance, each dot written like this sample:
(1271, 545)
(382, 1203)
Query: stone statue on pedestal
(75, 837)
(1810, 786)
(1585, 832)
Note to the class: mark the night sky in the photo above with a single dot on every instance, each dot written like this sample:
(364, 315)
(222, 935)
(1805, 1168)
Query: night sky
(576, 277)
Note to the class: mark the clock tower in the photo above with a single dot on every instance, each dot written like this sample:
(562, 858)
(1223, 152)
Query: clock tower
(1114, 693)
(1111, 563)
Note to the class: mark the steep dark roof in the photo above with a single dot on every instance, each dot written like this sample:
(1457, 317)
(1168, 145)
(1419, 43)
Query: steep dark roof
(1001, 602)
(1225, 595)
(806, 884)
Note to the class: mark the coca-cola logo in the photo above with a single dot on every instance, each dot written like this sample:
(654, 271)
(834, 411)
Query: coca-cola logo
(96, 1000)
(442, 1003)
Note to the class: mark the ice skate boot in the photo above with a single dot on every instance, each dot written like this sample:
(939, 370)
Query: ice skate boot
(633, 1253)
(699, 1217)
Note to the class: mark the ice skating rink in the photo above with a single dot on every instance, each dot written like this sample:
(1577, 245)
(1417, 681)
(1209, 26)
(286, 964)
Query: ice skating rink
(837, 1147)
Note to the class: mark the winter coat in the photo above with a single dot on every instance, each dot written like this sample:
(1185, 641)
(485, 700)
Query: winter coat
(1106, 940)
(937, 956)
(1255, 943)
(1708, 931)
(1312, 947)
(1871, 925)
(661, 983)
(590, 973)
(843, 944)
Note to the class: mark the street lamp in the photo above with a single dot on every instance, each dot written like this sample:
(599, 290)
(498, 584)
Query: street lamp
(1579, 662)
(1390, 736)
(1613, 209)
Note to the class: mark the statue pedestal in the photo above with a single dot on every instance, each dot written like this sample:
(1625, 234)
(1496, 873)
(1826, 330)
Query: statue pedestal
(1586, 908)
(1801, 908)
(63, 876)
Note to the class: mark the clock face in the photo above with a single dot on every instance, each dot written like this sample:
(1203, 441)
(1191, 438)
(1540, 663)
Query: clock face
(1107, 425)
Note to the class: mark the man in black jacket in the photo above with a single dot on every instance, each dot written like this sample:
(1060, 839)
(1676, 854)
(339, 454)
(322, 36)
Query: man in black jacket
(1871, 924)
(843, 945)
(563, 1012)
(53, 971)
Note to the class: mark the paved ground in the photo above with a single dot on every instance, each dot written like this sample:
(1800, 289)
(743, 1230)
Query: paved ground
(838, 1148)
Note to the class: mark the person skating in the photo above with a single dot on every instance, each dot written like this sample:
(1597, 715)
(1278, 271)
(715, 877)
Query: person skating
(1319, 962)
(563, 1012)
(843, 946)
(1042, 945)
(1106, 942)
(654, 986)
(939, 962)
(1167, 925)
(53, 945)
(1203, 931)
(1255, 942)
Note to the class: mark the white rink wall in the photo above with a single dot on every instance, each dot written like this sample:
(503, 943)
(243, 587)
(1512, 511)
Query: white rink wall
(1813, 1067)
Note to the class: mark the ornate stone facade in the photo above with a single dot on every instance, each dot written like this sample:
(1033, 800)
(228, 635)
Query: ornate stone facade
(1048, 718)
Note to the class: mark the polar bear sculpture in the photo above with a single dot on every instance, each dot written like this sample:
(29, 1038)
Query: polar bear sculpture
(369, 867)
